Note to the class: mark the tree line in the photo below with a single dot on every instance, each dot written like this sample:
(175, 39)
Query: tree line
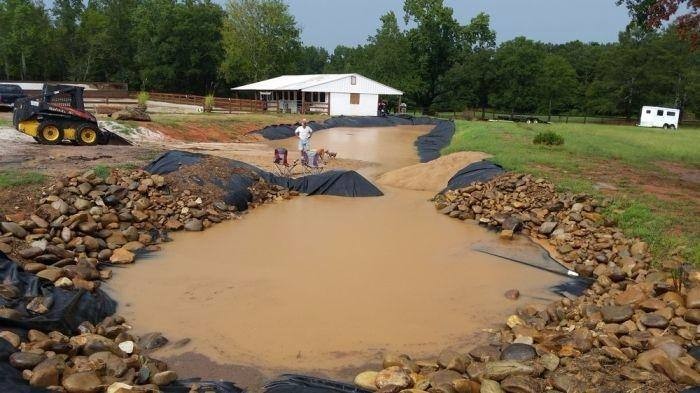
(198, 46)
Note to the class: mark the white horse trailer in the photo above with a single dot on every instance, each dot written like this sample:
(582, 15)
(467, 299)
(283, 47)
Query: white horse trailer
(655, 116)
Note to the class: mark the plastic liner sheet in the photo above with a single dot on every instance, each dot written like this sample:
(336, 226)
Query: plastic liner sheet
(291, 383)
(525, 251)
(69, 309)
(481, 171)
(428, 145)
(337, 183)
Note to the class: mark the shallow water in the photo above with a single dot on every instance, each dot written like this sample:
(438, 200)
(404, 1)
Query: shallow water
(325, 283)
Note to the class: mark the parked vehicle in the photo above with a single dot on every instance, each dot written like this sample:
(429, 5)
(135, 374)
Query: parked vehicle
(57, 114)
(9, 94)
(656, 116)
(522, 118)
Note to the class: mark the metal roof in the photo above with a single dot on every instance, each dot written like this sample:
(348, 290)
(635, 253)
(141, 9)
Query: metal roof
(321, 82)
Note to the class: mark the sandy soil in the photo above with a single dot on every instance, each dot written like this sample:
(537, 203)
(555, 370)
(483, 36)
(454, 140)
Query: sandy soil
(433, 175)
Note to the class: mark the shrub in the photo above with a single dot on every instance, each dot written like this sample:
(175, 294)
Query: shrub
(209, 103)
(548, 138)
(102, 171)
(143, 98)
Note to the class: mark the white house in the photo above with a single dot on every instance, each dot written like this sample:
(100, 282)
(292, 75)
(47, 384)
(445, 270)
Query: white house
(334, 94)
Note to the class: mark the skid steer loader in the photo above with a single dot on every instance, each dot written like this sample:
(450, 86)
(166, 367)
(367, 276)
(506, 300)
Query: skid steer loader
(59, 114)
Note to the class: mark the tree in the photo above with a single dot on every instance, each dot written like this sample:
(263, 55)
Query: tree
(68, 47)
(517, 64)
(434, 44)
(260, 40)
(313, 60)
(178, 44)
(23, 47)
(653, 13)
(472, 76)
(557, 84)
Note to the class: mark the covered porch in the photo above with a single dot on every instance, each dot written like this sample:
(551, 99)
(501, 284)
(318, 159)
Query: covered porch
(295, 101)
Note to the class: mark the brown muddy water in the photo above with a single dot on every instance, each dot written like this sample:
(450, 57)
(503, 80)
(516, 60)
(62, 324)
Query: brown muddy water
(324, 284)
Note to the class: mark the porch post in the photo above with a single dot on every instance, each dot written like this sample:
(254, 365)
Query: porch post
(303, 107)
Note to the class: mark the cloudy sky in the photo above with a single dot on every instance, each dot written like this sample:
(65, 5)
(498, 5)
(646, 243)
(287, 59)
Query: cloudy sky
(329, 23)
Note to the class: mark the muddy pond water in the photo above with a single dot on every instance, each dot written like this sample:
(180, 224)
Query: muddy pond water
(324, 284)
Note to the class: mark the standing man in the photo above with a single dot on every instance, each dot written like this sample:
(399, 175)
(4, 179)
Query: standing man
(304, 134)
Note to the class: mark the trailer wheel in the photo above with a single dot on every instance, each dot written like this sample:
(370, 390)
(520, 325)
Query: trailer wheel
(535, 121)
(49, 134)
(665, 126)
(671, 127)
(88, 135)
(528, 121)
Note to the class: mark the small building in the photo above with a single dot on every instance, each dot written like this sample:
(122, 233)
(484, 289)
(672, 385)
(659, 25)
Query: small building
(333, 94)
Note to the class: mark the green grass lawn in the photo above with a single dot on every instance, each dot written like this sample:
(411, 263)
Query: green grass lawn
(628, 158)
(17, 178)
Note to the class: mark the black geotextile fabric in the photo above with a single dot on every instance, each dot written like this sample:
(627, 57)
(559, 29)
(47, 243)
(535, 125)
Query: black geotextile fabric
(183, 386)
(337, 183)
(428, 145)
(291, 383)
(69, 309)
(481, 171)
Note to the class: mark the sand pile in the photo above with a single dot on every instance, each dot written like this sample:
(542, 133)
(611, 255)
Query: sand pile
(433, 175)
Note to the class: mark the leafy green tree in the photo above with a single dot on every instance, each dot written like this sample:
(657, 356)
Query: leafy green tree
(346, 59)
(652, 14)
(68, 47)
(178, 44)
(260, 40)
(23, 47)
(472, 76)
(517, 64)
(389, 59)
(434, 43)
(312, 60)
(557, 85)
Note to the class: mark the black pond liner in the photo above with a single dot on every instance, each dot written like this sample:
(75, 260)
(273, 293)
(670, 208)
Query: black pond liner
(428, 145)
(481, 171)
(337, 183)
(293, 383)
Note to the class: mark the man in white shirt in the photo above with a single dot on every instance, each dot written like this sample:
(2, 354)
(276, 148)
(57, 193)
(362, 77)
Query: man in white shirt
(304, 134)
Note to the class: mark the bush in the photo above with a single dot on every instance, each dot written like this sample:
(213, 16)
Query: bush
(143, 98)
(548, 138)
(209, 103)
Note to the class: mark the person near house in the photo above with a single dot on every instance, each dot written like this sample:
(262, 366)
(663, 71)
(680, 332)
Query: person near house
(304, 134)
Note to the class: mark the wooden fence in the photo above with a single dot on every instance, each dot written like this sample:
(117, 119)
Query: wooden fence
(221, 104)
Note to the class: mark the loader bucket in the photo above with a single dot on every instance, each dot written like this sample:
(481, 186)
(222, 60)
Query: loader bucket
(110, 138)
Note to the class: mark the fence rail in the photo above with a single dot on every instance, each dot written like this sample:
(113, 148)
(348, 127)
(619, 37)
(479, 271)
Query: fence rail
(611, 120)
(220, 104)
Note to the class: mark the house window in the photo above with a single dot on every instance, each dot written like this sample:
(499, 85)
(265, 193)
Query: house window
(670, 113)
(308, 97)
(660, 112)
(353, 80)
(648, 111)
(322, 97)
(354, 98)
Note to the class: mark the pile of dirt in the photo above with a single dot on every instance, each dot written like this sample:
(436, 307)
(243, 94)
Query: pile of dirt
(636, 328)
(432, 175)
(137, 113)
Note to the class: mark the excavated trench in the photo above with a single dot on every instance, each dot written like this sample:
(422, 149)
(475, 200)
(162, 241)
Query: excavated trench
(323, 284)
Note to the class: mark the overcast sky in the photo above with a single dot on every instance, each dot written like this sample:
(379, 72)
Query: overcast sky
(329, 23)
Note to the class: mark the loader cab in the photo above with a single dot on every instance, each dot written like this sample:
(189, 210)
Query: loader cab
(64, 95)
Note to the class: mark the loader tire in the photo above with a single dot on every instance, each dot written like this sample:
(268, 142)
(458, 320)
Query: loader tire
(49, 133)
(88, 135)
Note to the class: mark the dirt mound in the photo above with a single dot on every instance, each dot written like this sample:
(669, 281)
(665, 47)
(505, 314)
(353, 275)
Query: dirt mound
(433, 175)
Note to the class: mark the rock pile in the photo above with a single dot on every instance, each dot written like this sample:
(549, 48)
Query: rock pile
(99, 358)
(137, 113)
(635, 329)
(82, 225)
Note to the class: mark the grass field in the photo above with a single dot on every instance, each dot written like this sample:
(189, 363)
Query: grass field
(17, 178)
(652, 175)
